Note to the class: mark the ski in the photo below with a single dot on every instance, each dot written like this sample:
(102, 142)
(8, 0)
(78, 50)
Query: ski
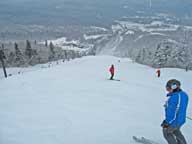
(144, 140)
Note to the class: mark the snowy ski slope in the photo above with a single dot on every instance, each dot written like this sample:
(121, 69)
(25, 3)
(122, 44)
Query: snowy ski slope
(75, 103)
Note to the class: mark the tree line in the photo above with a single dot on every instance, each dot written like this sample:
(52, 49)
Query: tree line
(32, 53)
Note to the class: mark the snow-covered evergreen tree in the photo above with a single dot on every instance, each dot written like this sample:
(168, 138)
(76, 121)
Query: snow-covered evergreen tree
(28, 50)
(46, 43)
(11, 59)
(19, 58)
(52, 51)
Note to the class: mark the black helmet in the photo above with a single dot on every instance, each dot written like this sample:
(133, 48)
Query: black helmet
(173, 84)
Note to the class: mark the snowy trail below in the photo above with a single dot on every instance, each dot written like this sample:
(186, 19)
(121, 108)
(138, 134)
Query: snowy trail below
(74, 103)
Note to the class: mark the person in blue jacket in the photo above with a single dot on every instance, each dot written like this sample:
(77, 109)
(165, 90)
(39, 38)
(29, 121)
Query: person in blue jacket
(175, 113)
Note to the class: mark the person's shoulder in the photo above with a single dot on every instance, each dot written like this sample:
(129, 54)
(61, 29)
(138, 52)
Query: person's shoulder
(183, 93)
(175, 94)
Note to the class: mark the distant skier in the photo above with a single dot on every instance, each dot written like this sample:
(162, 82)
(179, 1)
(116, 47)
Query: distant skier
(112, 71)
(158, 73)
(175, 113)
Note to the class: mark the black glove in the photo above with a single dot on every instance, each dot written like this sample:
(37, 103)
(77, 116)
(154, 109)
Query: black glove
(164, 124)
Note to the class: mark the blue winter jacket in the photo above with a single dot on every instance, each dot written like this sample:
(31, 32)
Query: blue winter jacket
(175, 108)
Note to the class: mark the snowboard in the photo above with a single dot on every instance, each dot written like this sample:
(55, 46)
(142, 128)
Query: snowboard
(114, 79)
(143, 140)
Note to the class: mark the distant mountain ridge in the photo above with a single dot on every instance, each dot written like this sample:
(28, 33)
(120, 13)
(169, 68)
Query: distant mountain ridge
(85, 12)
(124, 28)
(151, 41)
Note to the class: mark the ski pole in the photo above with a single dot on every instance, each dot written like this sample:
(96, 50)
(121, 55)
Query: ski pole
(189, 118)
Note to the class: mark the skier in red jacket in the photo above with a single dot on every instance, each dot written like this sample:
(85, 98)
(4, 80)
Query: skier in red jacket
(158, 72)
(112, 71)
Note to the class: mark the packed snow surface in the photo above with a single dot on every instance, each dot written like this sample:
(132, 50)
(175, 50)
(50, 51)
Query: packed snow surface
(75, 103)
